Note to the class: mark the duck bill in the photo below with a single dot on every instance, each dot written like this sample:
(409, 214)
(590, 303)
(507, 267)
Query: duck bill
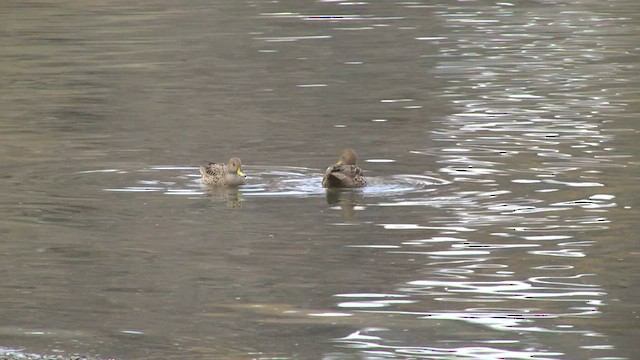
(239, 172)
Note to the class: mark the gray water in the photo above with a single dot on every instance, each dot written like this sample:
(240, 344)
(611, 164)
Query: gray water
(499, 138)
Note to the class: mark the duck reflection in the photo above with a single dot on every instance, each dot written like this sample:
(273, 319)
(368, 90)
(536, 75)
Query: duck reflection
(231, 195)
(347, 199)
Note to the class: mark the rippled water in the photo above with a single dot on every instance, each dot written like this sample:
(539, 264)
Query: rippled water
(498, 139)
(266, 181)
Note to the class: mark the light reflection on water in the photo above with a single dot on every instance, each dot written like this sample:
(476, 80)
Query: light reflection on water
(267, 181)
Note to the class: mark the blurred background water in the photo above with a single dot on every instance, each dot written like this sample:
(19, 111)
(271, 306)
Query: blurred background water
(498, 136)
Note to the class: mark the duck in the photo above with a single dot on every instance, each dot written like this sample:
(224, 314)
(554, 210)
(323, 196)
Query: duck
(229, 174)
(345, 173)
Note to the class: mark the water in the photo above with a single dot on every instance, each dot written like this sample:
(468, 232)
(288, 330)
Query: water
(498, 138)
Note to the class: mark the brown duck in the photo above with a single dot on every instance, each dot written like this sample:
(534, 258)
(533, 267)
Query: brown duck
(223, 174)
(345, 173)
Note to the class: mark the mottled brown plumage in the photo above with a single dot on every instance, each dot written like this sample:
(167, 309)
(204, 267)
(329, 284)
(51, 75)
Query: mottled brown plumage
(345, 173)
(223, 174)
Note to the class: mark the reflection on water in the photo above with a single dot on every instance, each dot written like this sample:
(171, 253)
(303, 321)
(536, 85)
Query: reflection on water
(498, 139)
(266, 181)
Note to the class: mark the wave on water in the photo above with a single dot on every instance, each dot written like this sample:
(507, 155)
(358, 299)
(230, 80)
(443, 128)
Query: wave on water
(261, 181)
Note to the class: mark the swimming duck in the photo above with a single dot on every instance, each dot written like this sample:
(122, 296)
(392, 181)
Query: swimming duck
(345, 173)
(223, 174)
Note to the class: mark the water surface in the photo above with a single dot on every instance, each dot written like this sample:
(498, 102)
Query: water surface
(499, 139)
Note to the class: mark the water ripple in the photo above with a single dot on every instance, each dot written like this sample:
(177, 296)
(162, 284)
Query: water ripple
(261, 181)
